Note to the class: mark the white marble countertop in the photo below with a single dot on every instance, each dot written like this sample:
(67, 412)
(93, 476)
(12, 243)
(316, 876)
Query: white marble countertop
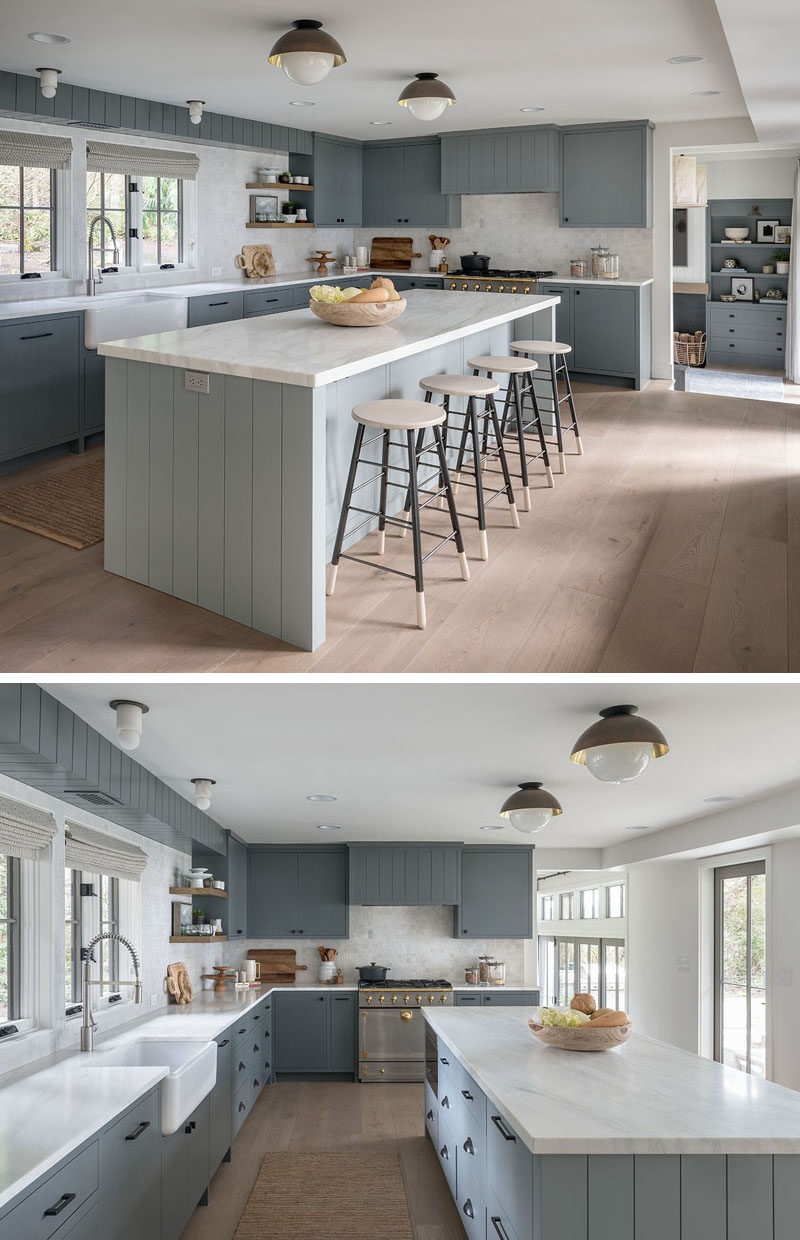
(642, 1098)
(491, 990)
(299, 349)
(597, 283)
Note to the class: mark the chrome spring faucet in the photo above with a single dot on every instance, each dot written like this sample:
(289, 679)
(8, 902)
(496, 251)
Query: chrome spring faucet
(89, 1024)
(93, 281)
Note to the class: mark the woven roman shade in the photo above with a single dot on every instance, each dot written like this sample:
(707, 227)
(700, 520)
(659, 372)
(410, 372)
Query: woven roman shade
(34, 150)
(24, 830)
(96, 853)
(141, 161)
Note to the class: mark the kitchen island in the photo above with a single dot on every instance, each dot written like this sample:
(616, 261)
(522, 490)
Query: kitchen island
(227, 446)
(642, 1141)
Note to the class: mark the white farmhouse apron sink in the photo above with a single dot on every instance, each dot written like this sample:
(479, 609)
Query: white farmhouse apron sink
(136, 314)
(192, 1072)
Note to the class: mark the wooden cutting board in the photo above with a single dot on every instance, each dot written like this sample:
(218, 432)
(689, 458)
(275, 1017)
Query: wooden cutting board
(277, 964)
(392, 253)
(179, 987)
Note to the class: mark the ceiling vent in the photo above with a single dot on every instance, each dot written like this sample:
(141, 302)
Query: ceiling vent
(89, 125)
(92, 797)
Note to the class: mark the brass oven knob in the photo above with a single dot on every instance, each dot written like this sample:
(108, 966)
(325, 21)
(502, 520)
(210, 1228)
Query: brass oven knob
(453, 284)
(382, 1071)
(381, 998)
(394, 998)
(443, 999)
(501, 288)
(513, 288)
(405, 1016)
(406, 998)
(369, 998)
(464, 287)
(419, 998)
(527, 288)
(430, 998)
(477, 287)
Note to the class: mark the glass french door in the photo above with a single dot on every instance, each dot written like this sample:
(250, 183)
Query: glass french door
(568, 966)
(740, 985)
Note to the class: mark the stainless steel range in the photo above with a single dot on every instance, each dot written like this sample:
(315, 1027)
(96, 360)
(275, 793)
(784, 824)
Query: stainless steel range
(513, 280)
(391, 1028)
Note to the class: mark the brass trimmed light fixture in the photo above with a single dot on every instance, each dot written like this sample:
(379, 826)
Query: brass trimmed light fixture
(530, 808)
(202, 791)
(618, 747)
(426, 97)
(307, 53)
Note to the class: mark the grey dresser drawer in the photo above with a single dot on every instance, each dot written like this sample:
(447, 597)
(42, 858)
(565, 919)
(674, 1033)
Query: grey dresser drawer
(50, 1205)
(268, 301)
(731, 314)
(748, 351)
(750, 330)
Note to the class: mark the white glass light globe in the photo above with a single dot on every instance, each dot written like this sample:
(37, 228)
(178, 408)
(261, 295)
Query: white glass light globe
(307, 68)
(620, 763)
(129, 725)
(429, 109)
(531, 820)
(203, 802)
(128, 738)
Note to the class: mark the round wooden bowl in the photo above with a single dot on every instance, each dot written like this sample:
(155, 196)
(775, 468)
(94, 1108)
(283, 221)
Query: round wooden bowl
(581, 1037)
(737, 234)
(362, 314)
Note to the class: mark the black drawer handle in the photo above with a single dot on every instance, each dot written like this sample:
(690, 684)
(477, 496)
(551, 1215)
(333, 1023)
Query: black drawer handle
(497, 1223)
(190, 1127)
(501, 1128)
(731, 329)
(341, 999)
(241, 1067)
(257, 1016)
(218, 303)
(256, 1047)
(731, 316)
(779, 319)
(467, 1095)
(242, 1107)
(60, 1205)
(242, 1030)
(137, 1132)
(38, 336)
(429, 1115)
(444, 1154)
(446, 1062)
(256, 1083)
(467, 1208)
(321, 997)
(272, 299)
(223, 1043)
(446, 1103)
(469, 1148)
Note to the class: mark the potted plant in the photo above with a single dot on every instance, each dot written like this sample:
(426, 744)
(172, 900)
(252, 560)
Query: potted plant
(198, 916)
(781, 261)
(289, 211)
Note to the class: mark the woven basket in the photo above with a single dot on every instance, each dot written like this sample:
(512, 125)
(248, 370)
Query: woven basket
(581, 1037)
(691, 352)
(362, 314)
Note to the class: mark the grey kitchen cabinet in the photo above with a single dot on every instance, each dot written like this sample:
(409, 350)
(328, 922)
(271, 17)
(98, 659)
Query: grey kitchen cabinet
(297, 891)
(56, 1199)
(184, 1171)
(94, 393)
(215, 308)
(129, 1172)
(85, 1225)
(404, 874)
(496, 998)
(608, 329)
(220, 1104)
(236, 910)
(337, 181)
(496, 893)
(523, 159)
(564, 331)
(509, 1170)
(40, 384)
(268, 301)
(402, 283)
(342, 1031)
(606, 175)
(402, 185)
(754, 335)
(315, 1032)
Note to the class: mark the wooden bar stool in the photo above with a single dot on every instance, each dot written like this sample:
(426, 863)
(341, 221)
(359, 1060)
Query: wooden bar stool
(557, 355)
(517, 368)
(476, 423)
(410, 417)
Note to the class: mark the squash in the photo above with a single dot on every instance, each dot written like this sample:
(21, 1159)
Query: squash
(370, 295)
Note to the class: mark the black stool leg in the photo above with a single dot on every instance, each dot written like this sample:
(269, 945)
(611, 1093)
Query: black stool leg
(348, 495)
(542, 441)
(571, 400)
(491, 416)
(384, 488)
(407, 506)
(523, 459)
(442, 500)
(562, 464)
(415, 530)
(472, 421)
(451, 503)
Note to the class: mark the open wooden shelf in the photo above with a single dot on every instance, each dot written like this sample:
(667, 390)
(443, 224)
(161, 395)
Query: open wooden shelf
(274, 225)
(199, 891)
(306, 189)
(198, 938)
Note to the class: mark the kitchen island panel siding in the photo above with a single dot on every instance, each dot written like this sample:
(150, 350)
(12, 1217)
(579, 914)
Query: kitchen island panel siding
(703, 1197)
(238, 490)
(159, 554)
(185, 486)
(211, 527)
(267, 506)
(657, 1196)
(560, 1196)
(750, 1208)
(786, 1196)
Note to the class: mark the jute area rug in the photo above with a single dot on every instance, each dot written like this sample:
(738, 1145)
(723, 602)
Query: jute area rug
(67, 506)
(327, 1196)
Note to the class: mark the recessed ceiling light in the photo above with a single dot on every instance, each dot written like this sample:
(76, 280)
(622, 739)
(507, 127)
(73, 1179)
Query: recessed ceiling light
(39, 37)
(320, 796)
(380, 122)
(704, 92)
(329, 826)
(718, 800)
(640, 827)
(302, 103)
(684, 60)
(537, 109)
(494, 826)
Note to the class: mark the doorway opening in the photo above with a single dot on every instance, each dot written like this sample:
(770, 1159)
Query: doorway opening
(740, 976)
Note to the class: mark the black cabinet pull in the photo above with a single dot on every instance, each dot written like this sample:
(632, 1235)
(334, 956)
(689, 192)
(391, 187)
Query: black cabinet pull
(299, 931)
(577, 292)
(256, 1083)
(467, 1208)
(242, 1030)
(446, 1062)
(501, 1128)
(60, 1205)
(241, 1067)
(321, 998)
(467, 1095)
(443, 1152)
(341, 999)
(272, 299)
(257, 1016)
(218, 303)
(469, 1148)
(429, 1114)
(497, 1223)
(446, 1103)
(137, 1132)
(241, 1106)
(38, 336)
(223, 1043)
(256, 1047)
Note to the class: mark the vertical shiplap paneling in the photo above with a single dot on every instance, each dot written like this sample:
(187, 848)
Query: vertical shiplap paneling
(703, 1197)
(184, 511)
(514, 143)
(161, 481)
(45, 107)
(267, 507)
(137, 462)
(115, 477)
(750, 1196)
(216, 127)
(182, 122)
(127, 111)
(168, 119)
(26, 95)
(227, 129)
(357, 878)
(8, 90)
(103, 764)
(211, 497)
(452, 875)
(786, 1196)
(80, 731)
(64, 737)
(425, 870)
(97, 107)
(500, 171)
(142, 114)
(113, 109)
(303, 517)
(156, 121)
(92, 756)
(398, 876)
(657, 1196)
(30, 716)
(63, 102)
(115, 773)
(560, 1197)
(239, 498)
(610, 1197)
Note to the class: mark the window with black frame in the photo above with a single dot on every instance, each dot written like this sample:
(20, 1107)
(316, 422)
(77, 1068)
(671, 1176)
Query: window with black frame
(9, 939)
(27, 220)
(91, 904)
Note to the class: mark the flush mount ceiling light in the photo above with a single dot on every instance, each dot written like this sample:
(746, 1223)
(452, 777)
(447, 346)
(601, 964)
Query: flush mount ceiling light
(39, 36)
(704, 92)
(537, 109)
(380, 122)
(718, 800)
(195, 107)
(493, 826)
(202, 792)
(302, 103)
(320, 796)
(619, 746)
(129, 721)
(307, 54)
(48, 81)
(684, 60)
(426, 97)
(531, 808)
(329, 826)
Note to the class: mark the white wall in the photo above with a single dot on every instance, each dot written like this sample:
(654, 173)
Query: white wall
(663, 937)
(755, 177)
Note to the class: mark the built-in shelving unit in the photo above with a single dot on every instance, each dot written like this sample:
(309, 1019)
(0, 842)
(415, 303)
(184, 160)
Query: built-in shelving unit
(198, 938)
(199, 891)
(303, 189)
(275, 224)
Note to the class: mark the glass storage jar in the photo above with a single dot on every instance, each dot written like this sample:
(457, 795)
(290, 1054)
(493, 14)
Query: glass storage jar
(609, 266)
(578, 267)
(471, 976)
(497, 973)
(484, 963)
(599, 252)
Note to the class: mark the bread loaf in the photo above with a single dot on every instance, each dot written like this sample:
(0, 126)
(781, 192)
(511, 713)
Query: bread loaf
(371, 295)
(583, 1003)
(610, 1020)
(600, 1012)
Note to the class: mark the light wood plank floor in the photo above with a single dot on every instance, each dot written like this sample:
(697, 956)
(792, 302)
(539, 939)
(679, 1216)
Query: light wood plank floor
(672, 545)
(336, 1115)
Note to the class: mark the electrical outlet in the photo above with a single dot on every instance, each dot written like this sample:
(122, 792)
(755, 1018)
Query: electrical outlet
(216, 271)
(682, 964)
(154, 1000)
(194, 381)
(785, 975)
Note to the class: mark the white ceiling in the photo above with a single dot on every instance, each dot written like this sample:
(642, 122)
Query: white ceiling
(421, 761)
(764, 43)
(584, 62)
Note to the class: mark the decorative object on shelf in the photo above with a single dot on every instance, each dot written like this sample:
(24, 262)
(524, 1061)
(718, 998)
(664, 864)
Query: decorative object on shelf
(222, 975)
(263, 207)
(426, 97)
(775, 294)
(197, 876)
(129, 721)
(783, 234)
(307, 53)
(689, 182)
(284, 178)
(181, 918)
(219, 884)
(530, 808)
(48, 82)
(179, 987)
(278, 964)
(781, 260)
(256, 261)
(731, 262)
(726, 297)
(321, 259)
(289, 211)
(202, 797)
(198, 916)
(302, 215)
(584, 1037)
(267, 176)
(195, 107)
(618, 747)
(689, 350)
(755, 209)
(765, 231)
(737, 234)
(767, 269)
(742, 288)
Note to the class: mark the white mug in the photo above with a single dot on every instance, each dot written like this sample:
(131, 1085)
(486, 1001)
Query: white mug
(252, 970)
(362, 255)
